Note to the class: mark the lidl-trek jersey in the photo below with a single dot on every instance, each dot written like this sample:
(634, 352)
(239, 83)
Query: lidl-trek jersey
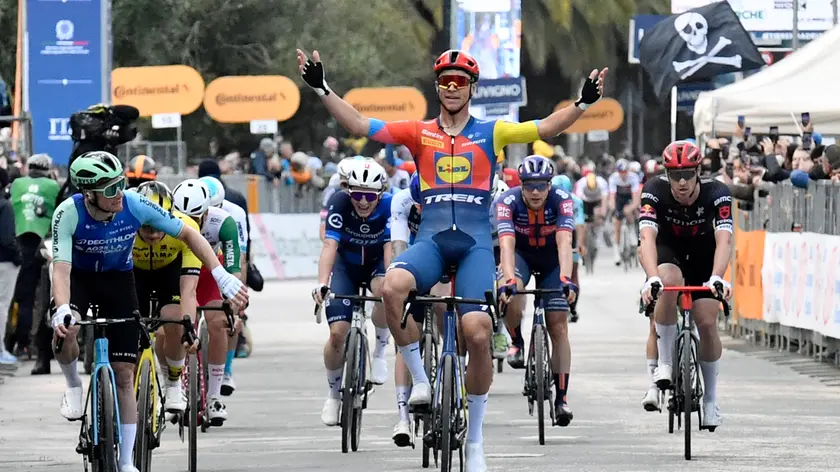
(103, 246)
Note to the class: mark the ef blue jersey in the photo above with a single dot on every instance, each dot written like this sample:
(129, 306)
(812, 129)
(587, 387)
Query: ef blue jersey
(360, 240)
(104, 246)
(534, 230)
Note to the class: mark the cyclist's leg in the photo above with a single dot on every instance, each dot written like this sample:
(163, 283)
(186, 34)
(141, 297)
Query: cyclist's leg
(618, 217)
(474, 277)
(81, 286)
(26, 284)
(665, 312)
(575, 278)
(120, 301)
(343, 281)
(172, 285)
(556, 314)
(402, 381)
(207, 294)
(420, 267)
(379, 363)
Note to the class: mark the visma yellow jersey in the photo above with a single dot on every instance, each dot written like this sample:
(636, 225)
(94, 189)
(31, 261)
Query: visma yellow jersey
(167, 251)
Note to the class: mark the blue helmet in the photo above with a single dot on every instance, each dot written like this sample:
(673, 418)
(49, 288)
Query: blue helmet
(536, 168)
(563, 182)
(414, 187)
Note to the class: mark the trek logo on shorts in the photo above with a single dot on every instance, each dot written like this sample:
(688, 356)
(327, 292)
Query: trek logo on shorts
(453, 169)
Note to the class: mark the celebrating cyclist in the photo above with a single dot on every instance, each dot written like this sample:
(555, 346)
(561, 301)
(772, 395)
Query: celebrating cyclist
(686, 239)
(456, 160)
(564, 183)
(217, 199)
(624, 199)
(92, 238)
(192, 198)
(356, 250)
(535, 224)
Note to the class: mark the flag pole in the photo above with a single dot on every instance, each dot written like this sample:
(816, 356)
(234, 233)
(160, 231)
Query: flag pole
(673, 113)
(19, 85)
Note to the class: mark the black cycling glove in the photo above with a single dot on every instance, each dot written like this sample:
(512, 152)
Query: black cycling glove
(589, 93)
(314, 76)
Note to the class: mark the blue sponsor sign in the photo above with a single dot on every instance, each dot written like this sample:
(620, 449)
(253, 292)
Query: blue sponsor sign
(501, 91)
(638, 25)
(68, 64)
(687, 94)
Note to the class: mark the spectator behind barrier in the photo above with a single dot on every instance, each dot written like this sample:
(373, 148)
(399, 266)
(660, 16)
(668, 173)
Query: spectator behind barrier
(823, 167)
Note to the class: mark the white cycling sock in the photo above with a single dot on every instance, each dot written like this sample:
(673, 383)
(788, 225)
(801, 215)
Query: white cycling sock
(382, 335)
(463, 360)
(652, 364)
(71, 374)
(174, 370)
(127, 436)
(334, 382)
(403, 392)
(214, 383)
(412, 359)
(665, 342)
(476, 404)
(710, 374)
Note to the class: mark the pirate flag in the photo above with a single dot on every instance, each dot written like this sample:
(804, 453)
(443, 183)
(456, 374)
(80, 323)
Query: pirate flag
(698, 44)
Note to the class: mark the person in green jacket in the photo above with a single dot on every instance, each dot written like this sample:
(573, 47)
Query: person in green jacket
(33, 201)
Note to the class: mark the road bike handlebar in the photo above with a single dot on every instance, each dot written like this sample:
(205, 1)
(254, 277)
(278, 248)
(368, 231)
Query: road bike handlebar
(227, 308)
(414, 298)
(656, 288)
(145, 323)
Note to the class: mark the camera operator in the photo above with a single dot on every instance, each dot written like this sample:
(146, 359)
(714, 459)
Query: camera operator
(100, 128)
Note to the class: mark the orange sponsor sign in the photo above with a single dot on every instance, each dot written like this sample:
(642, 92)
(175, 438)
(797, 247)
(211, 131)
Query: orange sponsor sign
(749, 260)
(388, 103)
(158, 89)
(241, 99)
(606, 114)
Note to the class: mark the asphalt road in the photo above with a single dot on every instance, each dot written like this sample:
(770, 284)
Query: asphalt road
(775, 419)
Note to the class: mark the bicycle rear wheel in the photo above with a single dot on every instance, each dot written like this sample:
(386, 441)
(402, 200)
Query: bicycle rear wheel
(106, 423)
(348, 392)
(687, 389)
(540, 361)
(193, 384)
(430, 361)
(447, 414)
(145, 412)
(360, 394)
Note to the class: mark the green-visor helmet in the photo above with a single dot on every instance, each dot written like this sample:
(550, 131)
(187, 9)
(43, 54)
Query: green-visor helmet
(96, 170)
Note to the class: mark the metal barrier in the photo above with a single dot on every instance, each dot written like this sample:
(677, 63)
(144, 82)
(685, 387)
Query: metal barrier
(263, 196)
(165, 153)
(786, 209)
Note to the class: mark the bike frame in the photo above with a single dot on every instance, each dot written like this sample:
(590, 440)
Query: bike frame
(449, 349)
(101, 361)
(148, 354)
(357, 323)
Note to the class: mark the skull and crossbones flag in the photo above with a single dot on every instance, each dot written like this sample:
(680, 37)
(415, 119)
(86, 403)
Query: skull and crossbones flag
(698, 44)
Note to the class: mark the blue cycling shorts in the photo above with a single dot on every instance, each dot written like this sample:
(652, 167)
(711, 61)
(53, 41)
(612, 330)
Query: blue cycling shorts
(346, 279)
(548, 278)
(429, 257)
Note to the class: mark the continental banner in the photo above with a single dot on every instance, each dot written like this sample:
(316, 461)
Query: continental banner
(605, 115)
(242, 99)
(388, 103)
(158, 89)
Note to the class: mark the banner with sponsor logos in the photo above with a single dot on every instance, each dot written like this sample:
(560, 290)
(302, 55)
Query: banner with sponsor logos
(772, 15)
(801, 277)
(241, 99)
(285, 246)
(158, 89)
(388, 103)
(749, 258)
(68, 60)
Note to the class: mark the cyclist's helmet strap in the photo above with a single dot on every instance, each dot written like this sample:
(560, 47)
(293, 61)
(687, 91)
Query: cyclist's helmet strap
(681, 155)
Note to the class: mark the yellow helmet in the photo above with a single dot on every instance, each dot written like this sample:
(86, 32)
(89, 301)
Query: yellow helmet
(157, 192)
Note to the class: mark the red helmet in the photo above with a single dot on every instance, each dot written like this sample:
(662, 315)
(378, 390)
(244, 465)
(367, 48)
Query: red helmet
(681, 155)
(455, 59)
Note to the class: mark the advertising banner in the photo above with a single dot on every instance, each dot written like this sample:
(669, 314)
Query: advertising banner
(749, 258)
(606, 114)
(242, 99)
(158, 89)
(772, 15)
(638, 25)
(388, 103)
(491, 31)
(501, 92)
(285, 246)
(68, 63)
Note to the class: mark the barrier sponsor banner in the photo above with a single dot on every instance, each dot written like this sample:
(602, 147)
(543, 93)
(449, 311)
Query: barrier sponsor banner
(802, 281)
(285, 246)
(606, 114)
(749, 259)
(158, 89)
(241, 99)
(388, 103)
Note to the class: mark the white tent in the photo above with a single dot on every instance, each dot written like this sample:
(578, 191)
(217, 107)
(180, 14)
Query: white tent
(806, 81)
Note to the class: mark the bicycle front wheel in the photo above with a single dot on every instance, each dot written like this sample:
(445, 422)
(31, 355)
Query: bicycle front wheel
(348, 392)
(204, 353)
(106, 416)
(192, 411)
(540, 361)
(361, 394)
(145, 413)
(687, 389)
(430, 360)
(447, 414)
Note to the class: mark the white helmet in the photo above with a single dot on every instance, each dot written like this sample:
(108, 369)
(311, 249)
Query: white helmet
(635, 167)
(367, 174)
(216, 189)
(335, 181)
(40, 162)
(191, 197)
(499, 186)
(346, 165)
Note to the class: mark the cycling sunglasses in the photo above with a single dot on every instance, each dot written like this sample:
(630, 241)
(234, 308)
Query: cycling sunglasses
(360, 195)
(114, 189)
(538, 185)
(447, 80)
(684, 174)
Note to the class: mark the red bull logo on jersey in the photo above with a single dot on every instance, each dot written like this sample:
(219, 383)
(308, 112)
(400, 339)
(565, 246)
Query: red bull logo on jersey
(453, 169)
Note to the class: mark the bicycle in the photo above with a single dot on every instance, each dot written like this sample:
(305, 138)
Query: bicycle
(429, 350)
(449, 420)
(591, 247)
(538, 365)
(629, 242)
(686, 390)
(356, 386)
(151, 416)
(99, 441)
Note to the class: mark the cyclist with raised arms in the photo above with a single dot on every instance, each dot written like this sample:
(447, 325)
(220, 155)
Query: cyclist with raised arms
(456, 160)
(356, 250)
(564, 183)
(217, 199)
(624, 199)
(685, 227)
(535, 224)
(92, 239)
(192, 198)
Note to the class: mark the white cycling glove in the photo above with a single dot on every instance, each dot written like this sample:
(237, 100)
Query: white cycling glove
(60, 313)
(713, 280)
(319, 292)
(228, 283)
